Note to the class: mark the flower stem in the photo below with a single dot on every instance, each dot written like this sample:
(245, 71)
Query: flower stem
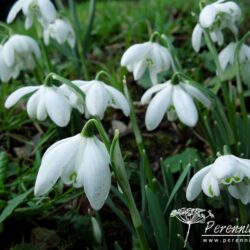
(118, 166)
(138, 137)
(92, 9)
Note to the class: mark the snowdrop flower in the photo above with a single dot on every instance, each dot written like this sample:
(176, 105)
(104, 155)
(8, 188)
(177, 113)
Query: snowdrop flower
(226, 56)
(228, 171)
(228, 13)
(18, 54)
(45, 101)
(42, 10)
(170, 97)
(215, 17)
(148, 55)
(78, 161)
(99, 96)
(61, 31)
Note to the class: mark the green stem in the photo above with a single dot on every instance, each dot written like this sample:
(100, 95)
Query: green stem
(118, 167)
(138, 137)
(229, 105)
(46, 56)
(92, 9)
(79, 39)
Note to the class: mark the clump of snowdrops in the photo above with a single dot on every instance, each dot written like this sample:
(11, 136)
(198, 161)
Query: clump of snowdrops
(93, 160)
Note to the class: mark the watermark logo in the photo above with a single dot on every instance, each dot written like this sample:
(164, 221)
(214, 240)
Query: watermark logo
(191, 216)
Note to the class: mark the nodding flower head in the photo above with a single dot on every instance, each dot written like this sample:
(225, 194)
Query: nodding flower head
(228, 171)
(175, 97)
(79, 161)
(149, 55)
(41, 10)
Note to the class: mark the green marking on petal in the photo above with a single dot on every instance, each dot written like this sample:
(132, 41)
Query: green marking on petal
(73, 176)
(210, 190)
(228, 180)
(236, 178)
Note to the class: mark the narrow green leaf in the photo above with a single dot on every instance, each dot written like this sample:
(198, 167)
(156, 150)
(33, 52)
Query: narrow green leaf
(157, 219)
(177, 186)
(13, 204)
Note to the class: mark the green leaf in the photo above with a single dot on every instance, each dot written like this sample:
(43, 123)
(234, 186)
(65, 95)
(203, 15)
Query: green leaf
(188, 156)
(157, 219)
(13, 204)
(3, 167)
(178, 185)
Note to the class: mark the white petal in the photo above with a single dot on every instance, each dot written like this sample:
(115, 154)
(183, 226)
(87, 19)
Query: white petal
(194, 186)
(241, 192)
(96, 173)
(185, 107)
(210, 186)
(153, 75)
(97, 99)
(196, 37)
(227, 55)
(53, 164)
(58, 107)
(41, 110)
(48, 10)
(207, 16)
(139, 69)
(18, 94)
(33, 102)
(148, 94)
(29, 21)
(14, 10)
(196, 93)
(8, 53)
(119, 100)
(135, 53)
(158, 107)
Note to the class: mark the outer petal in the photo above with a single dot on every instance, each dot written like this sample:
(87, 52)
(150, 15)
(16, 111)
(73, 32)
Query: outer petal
(33, 102)
(97, 99)
(58, 107)
(196, 37)
(210, 186)
(8, 53)
(118, 99)
(139, 69)
(185, 107)
(135, 53)
(196, 93)
(148, 94)
(47, 9)
(240, 192)
(18, 94)
(227, 55)
(158, 107)
(194, 186)
(96, 173)
(207, 16)
(53, 164)
(14, 10)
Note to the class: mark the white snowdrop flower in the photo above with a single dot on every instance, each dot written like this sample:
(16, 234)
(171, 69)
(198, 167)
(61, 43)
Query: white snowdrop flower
(60, 30)
(42, 10)
(227, 13)
(6, 72)
(148, 55)
(177, 98)
(16, 54)
(215, 17)
(99, 96)
(45, 101)
(78, 161)
(227, 171)
(227, 55)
